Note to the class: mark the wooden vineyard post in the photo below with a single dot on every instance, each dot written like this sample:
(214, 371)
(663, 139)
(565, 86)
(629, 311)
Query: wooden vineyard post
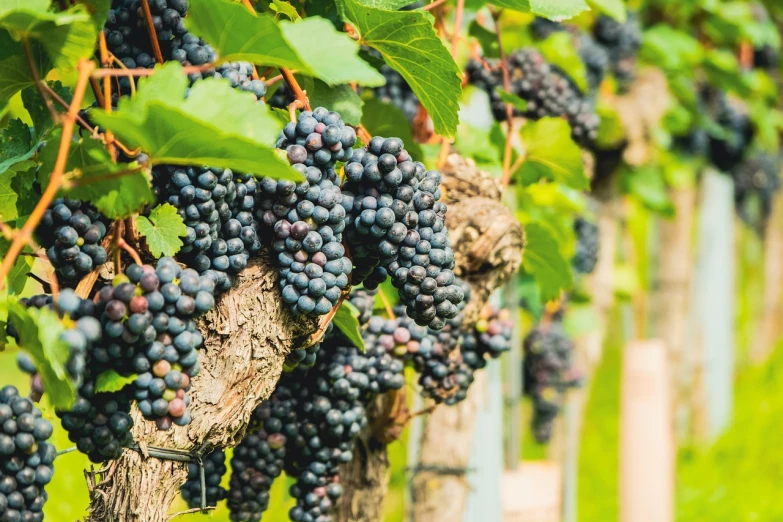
(671, 297)
(646, 441)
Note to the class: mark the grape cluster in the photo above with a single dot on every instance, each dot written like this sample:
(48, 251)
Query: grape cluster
(305, 221)
(281, 98)
(151, 313)
(587, 245)
(397, 92)
(81, 332)
(727, 148)
(756, 180)
(71, 232)
(26, 458)
(397, 229)
(128, 39)
(547, 91)
(547, 372)
(216, 206)
(622, 42)
(98, 423)
(489, 338)
(214, 468)
(593, 55)
(259, 459)
(308, 427)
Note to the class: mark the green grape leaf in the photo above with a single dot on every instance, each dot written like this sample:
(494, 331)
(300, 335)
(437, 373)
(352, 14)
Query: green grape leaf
(317, 42)
(39, 335)
(285, 9)
(723, 69)
(384, 119)
(14, 192)
(347, 320)
(542, 259)
(557, 10)
(649, 187)
(613, 8)
(486, 38)
(551, 154)
(670, 49)
(163, 230)
(16, 144)
(517, 102)
(215, 125)
(8, 198)
(610, 128)
(42, 118)
(340, 98)
(110, 381)
(409, 45)
(65, 36)
(309, 46)
(17, 277)
(15, 73)
(560, 51)
(87, 168)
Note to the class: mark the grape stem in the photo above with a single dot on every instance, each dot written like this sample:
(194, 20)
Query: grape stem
(506, 177)
(69, 184)
(445, 144)
(189, 511)
(187, 69)
(433, 5)
(292, 107)
(145, 6)
(386, 304)
(85, 67)
(131, 252)
(299, 94)
(105, 62)
(38, 82)
(363, 133)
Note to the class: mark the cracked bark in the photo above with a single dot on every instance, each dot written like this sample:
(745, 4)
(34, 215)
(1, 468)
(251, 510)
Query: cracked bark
(246, 338)
(487, 240)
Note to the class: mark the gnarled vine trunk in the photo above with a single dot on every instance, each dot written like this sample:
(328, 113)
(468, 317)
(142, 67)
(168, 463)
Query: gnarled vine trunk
(246, 338)
(487, 240)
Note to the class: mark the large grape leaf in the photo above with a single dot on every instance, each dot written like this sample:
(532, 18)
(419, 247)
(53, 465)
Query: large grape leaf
(15, 73)
(17, 276)
(557, 10)
(215, 125)
(39, 334)
(542, 259)
(384, 119)
(9, 195)
(408, 43)
(551, 154)
(340, 98)
(613, 8)
(163, 230)
(39, 113)
(116, 197)
(312, 46)
(65, 36)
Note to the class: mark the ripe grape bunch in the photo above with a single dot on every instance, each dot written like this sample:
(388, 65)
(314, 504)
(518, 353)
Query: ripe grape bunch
(305, 221)
(397, 92)
(71, 233)
(548, 372)
(756, 180)
(489, 338)
(587, 245)
(397, 228)
(214, 468)
(622, 42)
(26, 458)
(547, 91)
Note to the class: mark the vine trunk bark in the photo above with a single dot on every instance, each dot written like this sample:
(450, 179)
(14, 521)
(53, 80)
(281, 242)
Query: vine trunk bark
(246, 338)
